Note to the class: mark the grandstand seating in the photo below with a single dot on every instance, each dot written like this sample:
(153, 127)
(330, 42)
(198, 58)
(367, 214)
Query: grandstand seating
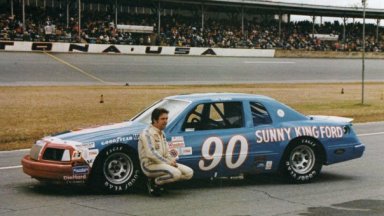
(184, 31)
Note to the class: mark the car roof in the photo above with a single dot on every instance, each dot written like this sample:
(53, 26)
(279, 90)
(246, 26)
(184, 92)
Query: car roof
(217, 97)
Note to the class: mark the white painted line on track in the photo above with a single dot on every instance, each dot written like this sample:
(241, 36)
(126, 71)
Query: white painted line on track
(10, 167)
(267, 62)
(10, 151)
(370, 134)
(76, 68)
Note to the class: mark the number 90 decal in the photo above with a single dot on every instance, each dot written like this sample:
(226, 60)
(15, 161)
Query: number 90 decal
(211, 160)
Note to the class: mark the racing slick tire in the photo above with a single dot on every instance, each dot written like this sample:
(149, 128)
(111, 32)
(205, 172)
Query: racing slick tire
(116, 171)
(302, 161)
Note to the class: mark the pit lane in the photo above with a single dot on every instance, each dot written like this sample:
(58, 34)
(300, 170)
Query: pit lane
(352, 188)
(18, 68)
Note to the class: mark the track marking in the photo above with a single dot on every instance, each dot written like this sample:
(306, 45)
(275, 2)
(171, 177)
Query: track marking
(267, 62)
(18, 150)
(76, 68)
(371, 134)
(10, 167)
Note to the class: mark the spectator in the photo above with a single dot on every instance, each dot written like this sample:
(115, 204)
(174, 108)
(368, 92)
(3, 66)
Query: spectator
(48, 30)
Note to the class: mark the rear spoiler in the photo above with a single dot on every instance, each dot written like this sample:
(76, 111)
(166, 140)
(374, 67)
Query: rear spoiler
(331, 118)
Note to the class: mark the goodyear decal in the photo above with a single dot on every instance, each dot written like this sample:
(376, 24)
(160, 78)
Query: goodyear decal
(282, 134)
(120, 139)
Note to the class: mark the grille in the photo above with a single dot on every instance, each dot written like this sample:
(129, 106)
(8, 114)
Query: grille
(53, 154)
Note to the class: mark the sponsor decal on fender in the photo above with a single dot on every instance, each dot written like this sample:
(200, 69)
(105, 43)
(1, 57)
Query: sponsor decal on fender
(268, 165)
(177, 147)
(88, 145)
(80, 170)
(186, 151)
(176, 142)
(75, 177)
(282, 134)
(93, 153)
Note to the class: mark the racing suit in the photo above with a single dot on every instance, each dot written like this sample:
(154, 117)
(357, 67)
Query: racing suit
(155, 160)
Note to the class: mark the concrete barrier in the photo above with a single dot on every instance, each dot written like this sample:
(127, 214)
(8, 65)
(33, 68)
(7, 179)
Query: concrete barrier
(177, 51)
(131, 50)
(325, 54)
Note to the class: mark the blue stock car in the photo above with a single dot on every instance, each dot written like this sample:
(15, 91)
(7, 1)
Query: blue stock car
(216, 134)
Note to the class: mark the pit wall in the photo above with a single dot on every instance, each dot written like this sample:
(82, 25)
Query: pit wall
(326, 54)
(131, 50)
(182, 51)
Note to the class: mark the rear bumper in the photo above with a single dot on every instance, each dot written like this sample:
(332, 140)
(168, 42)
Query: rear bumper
(359, 150)
(50, 171)
(342, 153)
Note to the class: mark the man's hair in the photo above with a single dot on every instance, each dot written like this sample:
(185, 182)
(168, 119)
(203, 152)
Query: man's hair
(156, 113)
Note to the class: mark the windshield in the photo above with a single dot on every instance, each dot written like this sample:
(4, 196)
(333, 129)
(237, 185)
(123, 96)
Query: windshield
(173, 106)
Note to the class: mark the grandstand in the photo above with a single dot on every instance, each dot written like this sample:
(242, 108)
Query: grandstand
(183, 23)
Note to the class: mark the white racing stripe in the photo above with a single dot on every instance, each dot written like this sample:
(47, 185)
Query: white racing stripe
(10, 167)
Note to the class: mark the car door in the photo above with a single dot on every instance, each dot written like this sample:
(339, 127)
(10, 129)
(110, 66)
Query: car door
(212, 138)
(264, 150)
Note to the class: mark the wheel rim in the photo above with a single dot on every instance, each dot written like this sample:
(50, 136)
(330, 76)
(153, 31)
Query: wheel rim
(302, 159)
(118, 168)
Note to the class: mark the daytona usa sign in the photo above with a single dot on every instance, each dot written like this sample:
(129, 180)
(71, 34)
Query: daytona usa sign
(130, 49)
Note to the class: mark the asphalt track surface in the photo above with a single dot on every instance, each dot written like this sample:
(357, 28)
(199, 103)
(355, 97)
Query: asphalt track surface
(19, 68)
(352, 188)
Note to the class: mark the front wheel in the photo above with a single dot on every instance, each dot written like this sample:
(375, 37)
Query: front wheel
(116, 171)
(302, 162)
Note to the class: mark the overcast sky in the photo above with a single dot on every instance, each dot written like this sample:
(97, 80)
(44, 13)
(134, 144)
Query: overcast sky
(374, 4)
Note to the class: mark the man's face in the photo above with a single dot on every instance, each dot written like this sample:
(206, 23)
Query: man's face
(161, 123)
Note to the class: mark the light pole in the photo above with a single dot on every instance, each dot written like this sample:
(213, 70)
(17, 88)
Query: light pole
(363, 54)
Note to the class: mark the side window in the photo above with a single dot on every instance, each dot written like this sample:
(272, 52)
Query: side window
(211, 116)
(260, 114)
(216, 112)
(194, 119)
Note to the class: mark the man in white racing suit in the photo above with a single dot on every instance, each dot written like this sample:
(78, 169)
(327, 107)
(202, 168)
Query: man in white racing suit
(155, 160)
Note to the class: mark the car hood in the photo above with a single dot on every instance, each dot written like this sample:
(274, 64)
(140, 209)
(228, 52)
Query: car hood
(101, 133)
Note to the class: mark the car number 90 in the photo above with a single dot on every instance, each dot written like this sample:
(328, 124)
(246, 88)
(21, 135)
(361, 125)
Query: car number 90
(210, 159)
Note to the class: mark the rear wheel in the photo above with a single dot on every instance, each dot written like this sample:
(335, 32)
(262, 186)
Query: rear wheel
(302, 161)
(116, 171)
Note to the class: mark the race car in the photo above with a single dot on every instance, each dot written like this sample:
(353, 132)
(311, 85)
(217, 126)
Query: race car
(216, 134)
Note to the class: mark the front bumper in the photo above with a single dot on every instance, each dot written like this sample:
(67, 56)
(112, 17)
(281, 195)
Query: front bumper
(41, 170)
(51, 171)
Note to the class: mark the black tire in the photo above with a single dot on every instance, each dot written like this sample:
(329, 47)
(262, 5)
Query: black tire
(302, 161)
(116, 171)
